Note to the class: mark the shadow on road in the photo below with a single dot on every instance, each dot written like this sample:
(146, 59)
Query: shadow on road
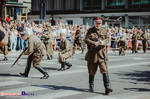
(138, 76)
(54, 87)
(10, 75)
(49, 68)
(137, 89)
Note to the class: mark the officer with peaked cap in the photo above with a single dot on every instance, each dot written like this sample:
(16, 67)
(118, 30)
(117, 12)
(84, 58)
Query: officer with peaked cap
(96, 39)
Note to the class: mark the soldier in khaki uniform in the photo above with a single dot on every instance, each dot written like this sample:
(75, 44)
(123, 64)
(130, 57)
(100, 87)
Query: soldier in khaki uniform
(134, 42)
(96, 39)
(66, 51)
(78, 40)
(122, 46)
(4, 50)
(144, 38)
(36, 50)
(48, 35)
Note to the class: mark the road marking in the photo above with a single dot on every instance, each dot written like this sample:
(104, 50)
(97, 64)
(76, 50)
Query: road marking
(26, 89)
(63, 73)
(129, 65)
(56, 95)
(7, 83)
(101, 97)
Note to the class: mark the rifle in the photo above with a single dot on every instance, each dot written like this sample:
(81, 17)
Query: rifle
(19, 57)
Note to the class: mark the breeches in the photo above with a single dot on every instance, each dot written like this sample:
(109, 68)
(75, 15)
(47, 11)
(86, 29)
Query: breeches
(36, 58)
(92, 67)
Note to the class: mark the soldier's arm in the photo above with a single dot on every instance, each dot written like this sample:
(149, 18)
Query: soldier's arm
(106, 40)
(30, 47)
(88, 40)
(141, 36)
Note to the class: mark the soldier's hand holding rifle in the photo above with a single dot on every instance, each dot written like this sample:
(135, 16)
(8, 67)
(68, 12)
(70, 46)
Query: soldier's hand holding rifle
(98, 43)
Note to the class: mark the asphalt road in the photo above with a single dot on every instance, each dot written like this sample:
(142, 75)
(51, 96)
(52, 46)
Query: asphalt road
(129, 76)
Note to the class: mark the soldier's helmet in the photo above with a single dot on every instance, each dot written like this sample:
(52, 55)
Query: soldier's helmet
(98, 19)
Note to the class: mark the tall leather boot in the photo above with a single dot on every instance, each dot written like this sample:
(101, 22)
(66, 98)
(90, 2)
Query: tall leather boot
(27, 69)
(62, 66)
(48, 57)
(51, 56)
(91, 83)
(68, 64)
(44, 73)
(106, 84)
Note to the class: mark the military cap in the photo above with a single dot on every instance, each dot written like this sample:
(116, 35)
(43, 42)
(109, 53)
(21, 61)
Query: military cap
(98, 19)
(24, 33)
(62, 34)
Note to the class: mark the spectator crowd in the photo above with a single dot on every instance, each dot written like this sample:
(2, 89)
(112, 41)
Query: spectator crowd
(16, 43)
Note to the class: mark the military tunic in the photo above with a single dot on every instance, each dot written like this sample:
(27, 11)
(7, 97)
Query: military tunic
(122, 46)
(48, 35)
(36, 51)
(66, 50)
(144, 38)
(96, 55)
(134, 43)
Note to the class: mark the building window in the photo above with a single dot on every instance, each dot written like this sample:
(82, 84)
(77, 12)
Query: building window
(139, 2)
(145, 1)
(134, 21)
(92, 4)
(115, 2)
(70, 22)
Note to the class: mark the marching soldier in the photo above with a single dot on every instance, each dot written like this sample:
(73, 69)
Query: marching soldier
(144, 38)
(36, 50)
(134, 42)
(122, 46)
(66, 51)
(48, 35)
(78, 40)
(4, 50)
(96, 39)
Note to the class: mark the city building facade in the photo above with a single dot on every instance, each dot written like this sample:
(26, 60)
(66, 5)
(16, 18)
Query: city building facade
(125, 13)
(17, 9)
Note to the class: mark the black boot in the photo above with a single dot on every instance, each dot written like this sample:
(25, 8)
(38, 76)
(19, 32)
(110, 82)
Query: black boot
(91, 83)
(68, 64)
(26, 72)
(48, 57)
(51, 56)
(106, 84)
(62, 66)
(5, 59)
(27, 69)
(44, 73)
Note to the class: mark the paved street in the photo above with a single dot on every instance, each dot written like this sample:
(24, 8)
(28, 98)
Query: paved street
(129, 75)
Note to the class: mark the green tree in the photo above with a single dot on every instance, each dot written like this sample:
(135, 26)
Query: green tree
(2, 9)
